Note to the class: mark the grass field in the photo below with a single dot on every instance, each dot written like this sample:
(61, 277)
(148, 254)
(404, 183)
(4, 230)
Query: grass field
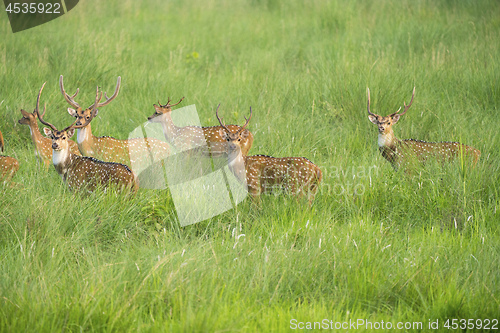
(376, 245)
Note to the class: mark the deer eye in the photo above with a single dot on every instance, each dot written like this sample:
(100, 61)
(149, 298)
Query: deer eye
(87, 117)
(227, 139)
(239, 139)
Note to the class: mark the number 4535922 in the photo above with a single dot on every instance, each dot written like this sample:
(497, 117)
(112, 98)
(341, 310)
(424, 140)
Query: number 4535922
(33, 8)
(471, 324)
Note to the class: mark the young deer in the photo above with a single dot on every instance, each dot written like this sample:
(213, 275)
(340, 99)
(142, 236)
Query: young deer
(108, 148)
(402, 152)
(192, 136)
(43, 145)
(85, 172)
(8, 165)
(264, 174)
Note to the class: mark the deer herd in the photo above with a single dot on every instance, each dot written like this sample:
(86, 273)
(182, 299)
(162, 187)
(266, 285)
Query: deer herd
(104, 161)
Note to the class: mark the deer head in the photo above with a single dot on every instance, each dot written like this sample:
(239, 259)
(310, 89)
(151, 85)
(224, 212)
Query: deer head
(30, 118)
(161, 110)
(384, 124)
(60, 138)
(234, 139)
(86, 115)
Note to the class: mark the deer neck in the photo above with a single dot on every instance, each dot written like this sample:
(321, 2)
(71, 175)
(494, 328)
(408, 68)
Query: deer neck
(62, 160)
(237, 164)
(85, 140)
(170, 131)
(387, 139)
(39, 140)
(37, 137)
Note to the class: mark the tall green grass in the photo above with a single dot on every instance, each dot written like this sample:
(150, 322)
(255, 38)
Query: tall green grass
(375, 245)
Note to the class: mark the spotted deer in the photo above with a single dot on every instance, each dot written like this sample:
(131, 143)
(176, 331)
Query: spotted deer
(107, 148)
(191, 136)
(8, 165)
(43, 145)
(81, 172)
(266, 174)
(403, 152)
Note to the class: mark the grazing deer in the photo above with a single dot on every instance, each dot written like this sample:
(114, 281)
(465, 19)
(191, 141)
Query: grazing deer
(264, 174)
(402, 152)
(108, 148)
(85, 172)
(43, 145)
(8, 165)
(192, 136)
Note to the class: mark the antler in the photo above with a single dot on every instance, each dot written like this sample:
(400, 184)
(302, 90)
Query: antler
(109, 99)
(227, 129)
(248, 120)
(68, 98)
(37, 108)
(406, 106)
(40, 117)
(220, 120)
(168, 103)
(370, 113)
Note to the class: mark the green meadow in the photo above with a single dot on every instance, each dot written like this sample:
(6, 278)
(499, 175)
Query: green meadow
(376, 245)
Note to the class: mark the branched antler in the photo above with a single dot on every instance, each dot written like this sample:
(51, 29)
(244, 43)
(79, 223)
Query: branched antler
(68, 98)
(168, 105)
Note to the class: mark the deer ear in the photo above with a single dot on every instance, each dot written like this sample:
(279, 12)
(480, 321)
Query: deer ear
(70, 132)
(47, 132)
(72, 112)
(222, 133)
(395, 118)
(245, 133)
(373, 119)
(24, 113)
(157, 108)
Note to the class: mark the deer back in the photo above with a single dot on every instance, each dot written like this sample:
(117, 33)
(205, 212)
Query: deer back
(8, 167)
(442, 151)
(289, 174)
(191, 136)
(90, 173)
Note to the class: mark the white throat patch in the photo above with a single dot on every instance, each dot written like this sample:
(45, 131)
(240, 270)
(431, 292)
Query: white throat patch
(80, 135)
(59, 156)
(383, 140)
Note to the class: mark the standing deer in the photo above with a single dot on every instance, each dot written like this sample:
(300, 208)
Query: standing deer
(108, 148)
(403, 152)
(43, 145)
(192, 136)
(8, 165)
(264, 174)
(85, 172)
